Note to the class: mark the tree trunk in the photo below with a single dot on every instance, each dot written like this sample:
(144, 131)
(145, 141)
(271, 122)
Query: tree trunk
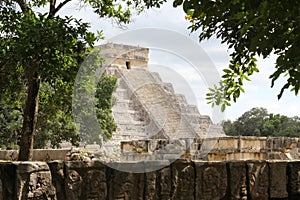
(30, 118)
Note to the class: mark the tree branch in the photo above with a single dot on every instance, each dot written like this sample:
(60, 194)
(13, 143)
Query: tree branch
(24, 7)
(55, 10)
(52, 7)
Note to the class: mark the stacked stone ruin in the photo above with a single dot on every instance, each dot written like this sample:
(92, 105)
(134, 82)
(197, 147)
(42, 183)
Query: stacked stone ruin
(152, 119)
(180, 180)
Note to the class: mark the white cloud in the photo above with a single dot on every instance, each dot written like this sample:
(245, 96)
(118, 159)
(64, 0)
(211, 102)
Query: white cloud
(258, 92)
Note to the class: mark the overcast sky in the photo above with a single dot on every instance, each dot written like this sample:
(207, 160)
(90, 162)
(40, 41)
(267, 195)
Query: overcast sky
(174, 68)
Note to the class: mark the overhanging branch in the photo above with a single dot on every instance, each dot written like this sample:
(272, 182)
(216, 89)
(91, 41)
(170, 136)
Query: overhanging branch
(54, 10)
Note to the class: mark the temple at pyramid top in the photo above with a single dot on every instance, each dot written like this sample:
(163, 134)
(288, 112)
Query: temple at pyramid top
(126, 56)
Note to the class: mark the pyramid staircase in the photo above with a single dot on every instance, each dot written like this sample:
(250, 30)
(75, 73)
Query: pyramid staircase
(146, 108)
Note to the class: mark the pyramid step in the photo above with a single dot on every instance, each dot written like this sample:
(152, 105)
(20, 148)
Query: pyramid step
(181, 99)
(122, 104)
(128, 115)
(128, 136)
(156, 76)
(121, 93)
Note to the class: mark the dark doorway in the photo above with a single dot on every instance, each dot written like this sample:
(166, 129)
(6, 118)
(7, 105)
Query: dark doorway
(128, 65)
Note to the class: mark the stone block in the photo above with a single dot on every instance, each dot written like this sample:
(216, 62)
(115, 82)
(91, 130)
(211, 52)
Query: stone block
(33, 181)
(125, 186)
(154, 165)
(138, 146)
(217, 156)
(258, 177)
(1, 192)
(183, 180)
(171, 156)
(58, 180)
(49, 154)
(290, 142)
(228, 143)
(151, 186)
(294, 180)
(237, 180)
(128, 166)
(7, 179)
(278, 179)
(85, 180)
(278, 143)
(164, 180)
(9, 155)
(263, 143)
(249, 156)
(211, 180)
(30, 167)
(250, 144)
(209, 144)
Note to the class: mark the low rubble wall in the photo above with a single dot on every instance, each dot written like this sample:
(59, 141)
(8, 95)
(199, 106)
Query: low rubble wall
(218, 149)
(182, 179)
(38, 154)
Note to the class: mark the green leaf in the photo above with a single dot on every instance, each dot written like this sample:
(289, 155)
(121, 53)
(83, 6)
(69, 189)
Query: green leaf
(223, 107)
(227, 71)
(177, 3)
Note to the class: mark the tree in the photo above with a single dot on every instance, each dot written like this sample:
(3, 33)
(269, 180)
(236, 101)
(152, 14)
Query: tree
(56, 124)
(250, 28)
(257, 122)
(250, 123)
(280, 125)
(230, 127)
(103, 101)
(44, 48)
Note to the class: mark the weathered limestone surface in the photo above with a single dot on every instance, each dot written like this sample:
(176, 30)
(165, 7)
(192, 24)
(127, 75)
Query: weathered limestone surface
(85, 180)
(33, 181)
(7, 177)
(127, 186)
(211, 180)
(278, 179)
(237, 176)
(182, 179)
(258, 176)
(151, 188)
(38, 154)
(58, 178)
(294, 180)
(165, 184)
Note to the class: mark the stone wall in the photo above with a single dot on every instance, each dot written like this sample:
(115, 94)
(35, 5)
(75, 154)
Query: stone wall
(182, 180)
(247, 148)
(220, 149)
(38, 154)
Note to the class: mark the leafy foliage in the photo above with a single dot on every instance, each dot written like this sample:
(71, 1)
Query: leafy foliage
(251, 28)
(58, 66)
(10, 125)
(93, 130)
(104, 103)
(40, 55)
(258, 122)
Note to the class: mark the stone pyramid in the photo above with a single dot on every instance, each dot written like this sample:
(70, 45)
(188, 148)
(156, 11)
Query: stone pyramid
(149, 114)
